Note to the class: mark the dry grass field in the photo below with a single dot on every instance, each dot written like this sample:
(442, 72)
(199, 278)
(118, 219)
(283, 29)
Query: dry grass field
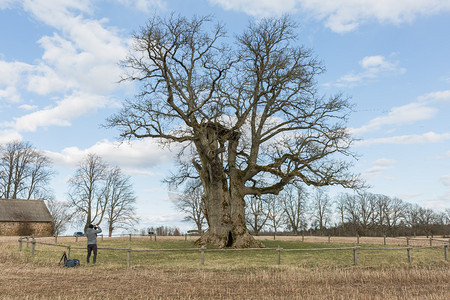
(246, 275)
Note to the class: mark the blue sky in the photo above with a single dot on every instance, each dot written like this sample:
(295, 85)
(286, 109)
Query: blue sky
(59, 71)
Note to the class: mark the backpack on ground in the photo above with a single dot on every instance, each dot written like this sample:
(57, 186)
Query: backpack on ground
(72, 263)
(69, 262)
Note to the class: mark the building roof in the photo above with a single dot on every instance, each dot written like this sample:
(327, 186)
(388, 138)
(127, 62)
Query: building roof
(13, 210)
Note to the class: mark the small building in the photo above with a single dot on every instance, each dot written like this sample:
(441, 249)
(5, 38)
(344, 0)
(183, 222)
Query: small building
(25, 217)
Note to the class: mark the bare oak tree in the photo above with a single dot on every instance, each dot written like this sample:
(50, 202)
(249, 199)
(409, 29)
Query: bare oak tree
(294, 201)
(119, 197)
(320, 209)
(61, 215)
(249, 109)
(275, 215)
(86, 188)
(191, 204)
(24, 172)
(256, 212)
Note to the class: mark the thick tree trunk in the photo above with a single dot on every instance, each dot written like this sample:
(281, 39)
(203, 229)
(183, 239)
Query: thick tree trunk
(223, 199)
(226, 221)
(225, 214)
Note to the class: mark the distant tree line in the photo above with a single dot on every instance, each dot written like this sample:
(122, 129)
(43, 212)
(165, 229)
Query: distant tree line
(298, 210)
(161, 231)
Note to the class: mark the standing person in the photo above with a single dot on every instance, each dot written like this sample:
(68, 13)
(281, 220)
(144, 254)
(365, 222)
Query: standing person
(91, 234)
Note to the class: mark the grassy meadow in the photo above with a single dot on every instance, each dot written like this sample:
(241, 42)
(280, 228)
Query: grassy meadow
(320, 274)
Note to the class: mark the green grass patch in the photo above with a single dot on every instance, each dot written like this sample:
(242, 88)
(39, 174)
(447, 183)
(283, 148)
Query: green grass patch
(107, 258)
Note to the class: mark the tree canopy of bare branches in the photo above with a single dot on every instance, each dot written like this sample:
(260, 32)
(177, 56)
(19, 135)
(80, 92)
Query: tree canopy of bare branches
(97, 191)
(25, 172)
(191, 204)
(247, 108)
(120, 199)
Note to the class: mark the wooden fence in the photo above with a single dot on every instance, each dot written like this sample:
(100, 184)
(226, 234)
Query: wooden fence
(355, 248)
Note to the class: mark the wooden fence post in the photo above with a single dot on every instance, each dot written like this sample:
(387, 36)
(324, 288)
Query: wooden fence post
(33, 245)
(203, 255)
(56, 239)
(129, 257)
(279, 254)
(28, 241)
(431, 242)
(185, 237)
(408, 250)
(303, 236)
(384, 237)
(129, 237)
(20, 244)
(446, 252)
(407, 242)
(68, 252)
(329, 239)
(357, 238)
(355, 255)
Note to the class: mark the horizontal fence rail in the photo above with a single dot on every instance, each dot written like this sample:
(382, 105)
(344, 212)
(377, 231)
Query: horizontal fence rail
(203, 250)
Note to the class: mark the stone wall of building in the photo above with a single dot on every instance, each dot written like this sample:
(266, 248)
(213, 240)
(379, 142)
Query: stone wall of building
(26, 228)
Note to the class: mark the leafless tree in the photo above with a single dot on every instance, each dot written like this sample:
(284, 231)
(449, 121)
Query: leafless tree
(191, 204)
(86, 188)
(61, 214)
(426, 218)
(366, 209)
(391, 211)
(320, 209)
(248, 109)
(25, 172)
(275, 212)
(256, 212)
(340, 209)
(294, 203)
(119, 197)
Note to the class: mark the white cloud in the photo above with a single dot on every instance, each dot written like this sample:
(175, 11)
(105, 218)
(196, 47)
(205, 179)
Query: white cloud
(56, 13)
(78, 67)
(61, 114)
(85, 56)
(144, 5)
(4, 4)
(259, 8)
(425, 108)
(439, 96)
(347, 15)
(373, 67)
(379, 166)
(342, 15)
(28, 107)
(10, 77)
(6, 136)
(445, 180)
(406, 114)
(10, 94)
(426, 138)
(445, 156)
(134, 157)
